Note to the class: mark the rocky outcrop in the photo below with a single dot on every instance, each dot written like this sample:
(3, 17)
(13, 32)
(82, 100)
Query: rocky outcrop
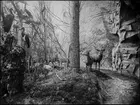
(129, 36)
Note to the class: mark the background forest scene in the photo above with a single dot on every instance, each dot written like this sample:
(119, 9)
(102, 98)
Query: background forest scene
(69, 52)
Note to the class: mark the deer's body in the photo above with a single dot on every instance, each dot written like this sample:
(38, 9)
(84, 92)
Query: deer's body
(94, 59)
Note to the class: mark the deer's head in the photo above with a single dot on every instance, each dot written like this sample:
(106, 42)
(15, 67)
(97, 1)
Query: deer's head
(101, 51)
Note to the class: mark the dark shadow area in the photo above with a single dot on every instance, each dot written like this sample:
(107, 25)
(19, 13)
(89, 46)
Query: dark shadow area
(100, 74)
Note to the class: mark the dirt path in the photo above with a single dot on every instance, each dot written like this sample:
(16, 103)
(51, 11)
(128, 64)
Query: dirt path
(117, 88)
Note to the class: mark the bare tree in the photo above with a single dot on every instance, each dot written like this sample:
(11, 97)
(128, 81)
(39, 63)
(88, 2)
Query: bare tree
(15, 5)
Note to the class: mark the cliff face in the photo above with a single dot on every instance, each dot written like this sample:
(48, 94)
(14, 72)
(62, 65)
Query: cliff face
(129, 36)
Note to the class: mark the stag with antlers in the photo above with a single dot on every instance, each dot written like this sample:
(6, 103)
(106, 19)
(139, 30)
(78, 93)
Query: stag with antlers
(94, 58)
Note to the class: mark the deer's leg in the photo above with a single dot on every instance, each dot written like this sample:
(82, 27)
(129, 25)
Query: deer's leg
(87, 68)
(99, 66)
(121, 68)
(96, 66)
(90, 68)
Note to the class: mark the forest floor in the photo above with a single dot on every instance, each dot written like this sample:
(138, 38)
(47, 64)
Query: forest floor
(67, 87)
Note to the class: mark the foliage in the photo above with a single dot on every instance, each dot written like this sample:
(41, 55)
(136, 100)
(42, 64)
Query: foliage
(75, 90)
(13, 67)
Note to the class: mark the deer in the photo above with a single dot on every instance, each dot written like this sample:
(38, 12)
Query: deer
(94, 58)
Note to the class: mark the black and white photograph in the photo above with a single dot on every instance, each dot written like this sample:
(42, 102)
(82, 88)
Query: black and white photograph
(69, 52)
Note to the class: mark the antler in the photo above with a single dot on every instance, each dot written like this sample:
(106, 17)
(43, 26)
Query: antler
(94, 45)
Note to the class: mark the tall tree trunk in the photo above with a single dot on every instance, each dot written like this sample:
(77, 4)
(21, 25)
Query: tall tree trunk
(74, 36)
(47, 34)
(19, 34)
(45, 26)
(45, 43)
(42, 14)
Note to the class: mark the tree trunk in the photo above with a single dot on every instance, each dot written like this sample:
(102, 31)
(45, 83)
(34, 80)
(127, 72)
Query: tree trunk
(74, 36)
(19, 34)
(45, 43)
(46, 31)
(20, 23)
(42, 14)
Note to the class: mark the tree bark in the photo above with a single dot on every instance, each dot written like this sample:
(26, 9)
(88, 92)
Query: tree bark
(19, 34)
(74, 36)
(45, 43)
(42, 14)
(20, 23)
